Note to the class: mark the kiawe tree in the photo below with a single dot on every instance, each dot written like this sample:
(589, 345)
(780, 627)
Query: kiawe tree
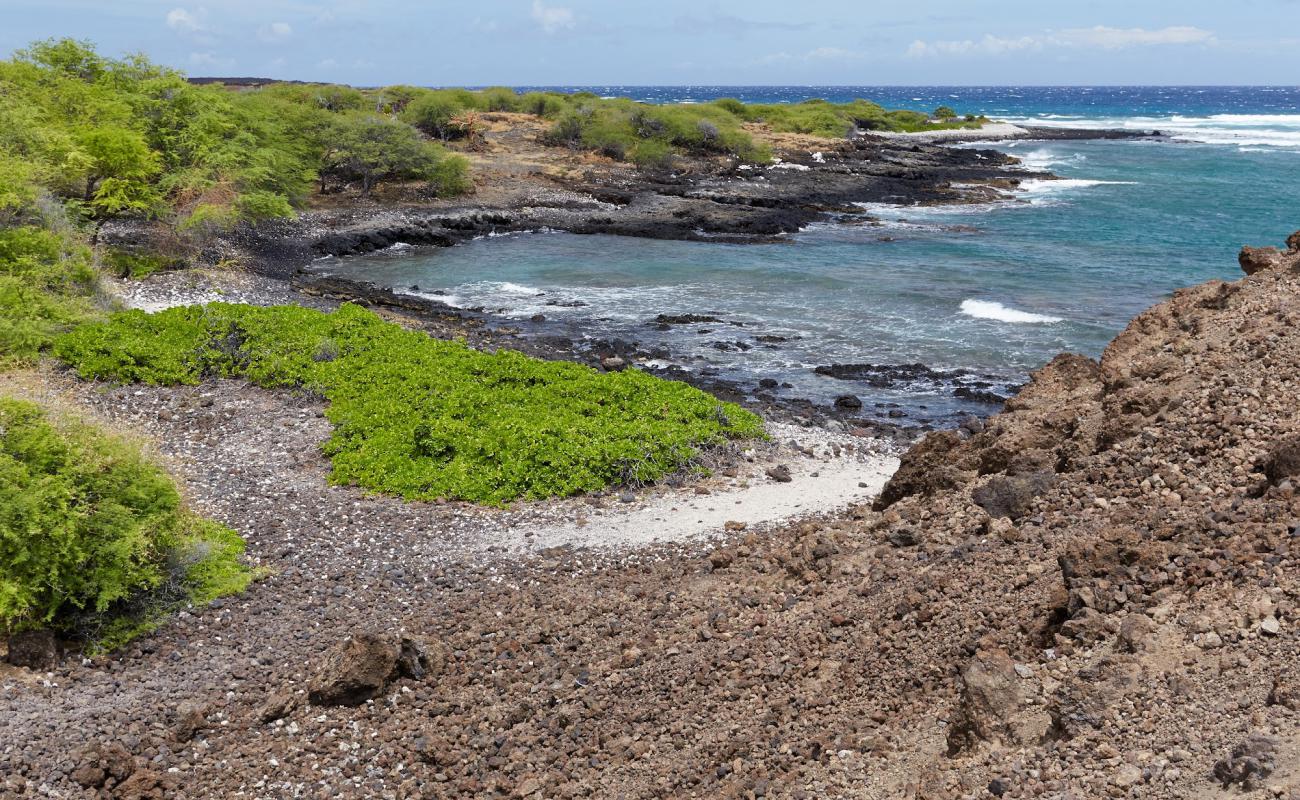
(368, 149)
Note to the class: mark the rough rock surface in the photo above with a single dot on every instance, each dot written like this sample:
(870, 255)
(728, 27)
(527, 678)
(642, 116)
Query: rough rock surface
(1147, 603)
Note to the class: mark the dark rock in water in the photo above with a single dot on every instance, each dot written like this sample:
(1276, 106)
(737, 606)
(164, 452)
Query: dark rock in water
(37, 650)
(537, 318)
(780, 473)
(685, 319)
(767, 383)
(566, 303)
(885, 376)
(978, 395)
(896, 413)
(848, 402)
(1012, 495)
(769, 338)
(613, 363)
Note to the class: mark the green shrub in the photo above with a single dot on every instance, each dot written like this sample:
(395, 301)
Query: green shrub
(125, 264)
(88, 528)
(46, 285)
(423, 418)
(433, 112)
(542, 104)
(499, 98)
(653, 154)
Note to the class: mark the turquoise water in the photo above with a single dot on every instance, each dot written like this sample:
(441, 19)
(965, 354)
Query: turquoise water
(996, 289)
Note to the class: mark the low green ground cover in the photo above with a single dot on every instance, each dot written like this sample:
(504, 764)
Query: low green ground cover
(423, 418)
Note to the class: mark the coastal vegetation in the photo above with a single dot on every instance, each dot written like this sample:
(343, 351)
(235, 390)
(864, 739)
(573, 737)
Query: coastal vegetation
(95, 540)
(110, 137)
(422, 418)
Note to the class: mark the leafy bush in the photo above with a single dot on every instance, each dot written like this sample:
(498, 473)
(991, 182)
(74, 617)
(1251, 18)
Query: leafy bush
(542, 104)
(368, 149)
(46, 285)
(622, 129)
(653, 154)
(125, 264)
(88, 528)
(433, 112)
(498, 98)
(423, 418)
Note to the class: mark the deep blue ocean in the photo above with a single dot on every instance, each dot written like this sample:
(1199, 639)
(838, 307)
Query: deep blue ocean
(997, 289)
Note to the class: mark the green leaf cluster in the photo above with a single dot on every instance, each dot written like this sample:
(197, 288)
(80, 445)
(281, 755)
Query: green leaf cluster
(128, 137)
(837, 120)
(91, 531)
(624, 129)
(47, 285)
(422, 418)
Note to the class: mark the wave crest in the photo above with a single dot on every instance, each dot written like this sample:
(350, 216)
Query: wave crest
(989, 309)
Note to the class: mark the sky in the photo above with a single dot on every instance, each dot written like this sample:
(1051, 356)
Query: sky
(690, 42)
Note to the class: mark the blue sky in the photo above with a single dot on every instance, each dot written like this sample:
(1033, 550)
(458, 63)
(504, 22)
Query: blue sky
(554, 42)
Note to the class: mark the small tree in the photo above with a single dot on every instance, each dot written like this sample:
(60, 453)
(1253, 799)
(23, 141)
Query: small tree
(433, 113)
(944, 112)
(370, 149)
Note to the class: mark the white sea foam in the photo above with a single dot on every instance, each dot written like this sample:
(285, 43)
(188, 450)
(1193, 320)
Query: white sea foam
(515, 288)
(1280, 131)
(989, 309)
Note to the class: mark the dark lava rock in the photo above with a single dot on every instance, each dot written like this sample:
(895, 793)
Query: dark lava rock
(684, 319)
(883, 376)
(1251, 761)
(768, 383)
(848, 402)
(1283, 460)
(978, 395)
(1012, 495)
(780, 473)
(37, 650)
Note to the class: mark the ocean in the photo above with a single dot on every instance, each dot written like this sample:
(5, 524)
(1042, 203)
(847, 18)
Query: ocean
(994, 290)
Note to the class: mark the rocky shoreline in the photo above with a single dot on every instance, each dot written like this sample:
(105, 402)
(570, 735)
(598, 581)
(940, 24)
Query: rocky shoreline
(705, 201)
(1094, 595)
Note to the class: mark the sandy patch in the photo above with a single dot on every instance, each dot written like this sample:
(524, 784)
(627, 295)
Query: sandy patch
(820, 486)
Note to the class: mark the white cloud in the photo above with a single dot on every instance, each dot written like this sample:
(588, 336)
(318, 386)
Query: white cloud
(831, 54)
(552, 18)
(275, 32)
(1114, 38)
(1098, 37)
(208, 59)
(818, 54)
(184, 21)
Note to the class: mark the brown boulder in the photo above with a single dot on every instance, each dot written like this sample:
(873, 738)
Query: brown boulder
(1283, 460)
(358, 668)
(924, 469)
(1012, 496)
(992, 705)
(99, 763)
(1258, 259)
